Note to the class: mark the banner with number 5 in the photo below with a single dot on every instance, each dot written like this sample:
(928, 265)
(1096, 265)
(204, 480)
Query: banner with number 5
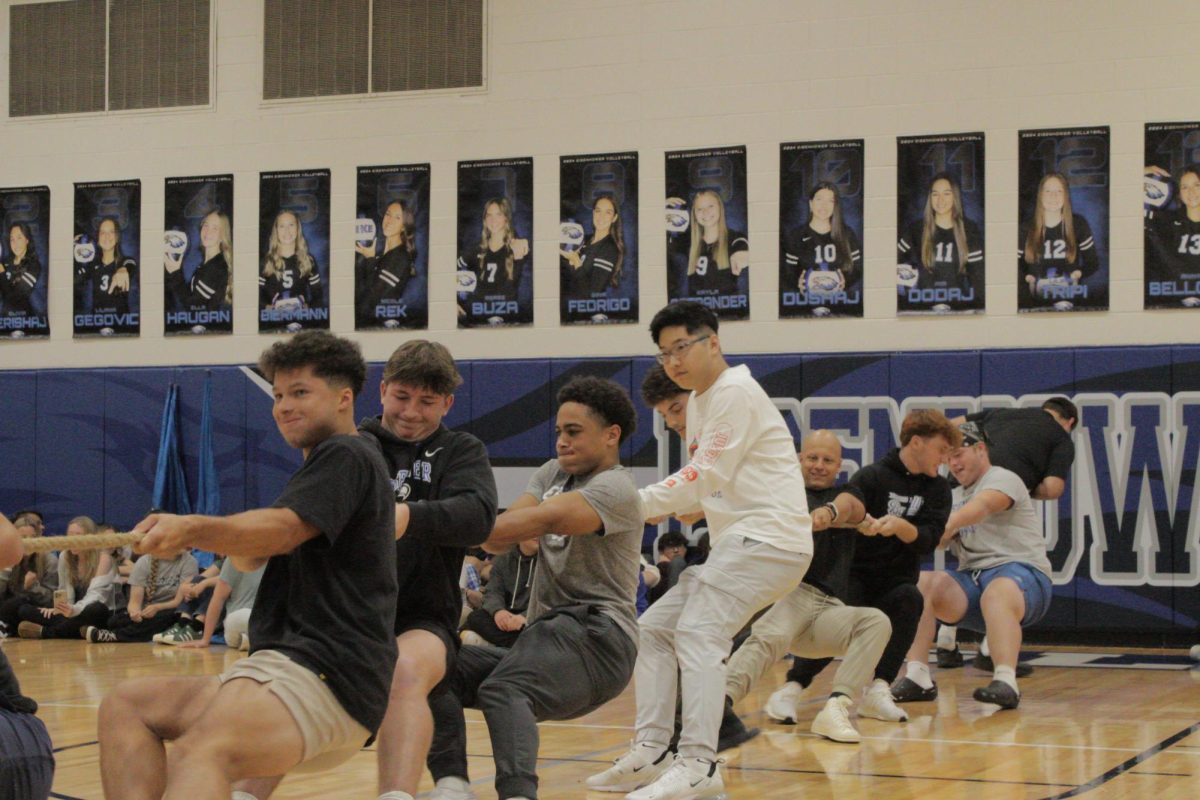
(293, 243)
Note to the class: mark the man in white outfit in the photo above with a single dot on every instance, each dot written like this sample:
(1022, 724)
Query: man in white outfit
(743, 474)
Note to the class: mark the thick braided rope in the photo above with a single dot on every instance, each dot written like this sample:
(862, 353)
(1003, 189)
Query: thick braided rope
(92, 541)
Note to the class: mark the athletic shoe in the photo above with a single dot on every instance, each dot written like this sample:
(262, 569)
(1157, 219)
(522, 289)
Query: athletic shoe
(182, 633)
(244, 644)
(782, 705)
(633, 770)
(29, 630)
(985, 663)
(834, 721)
(877, 703)
(949, 659)
(94, 634)
(171, 631)
(733, 731)
(451, 788)
(686, 779)
(472, 638)
(906, 690)
(999, 693)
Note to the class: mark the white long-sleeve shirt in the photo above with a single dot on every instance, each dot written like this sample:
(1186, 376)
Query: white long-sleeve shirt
(743, 471)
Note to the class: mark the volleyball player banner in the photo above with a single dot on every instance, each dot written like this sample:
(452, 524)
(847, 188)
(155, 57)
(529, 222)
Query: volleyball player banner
(495, 238)
(293, 246)
(598, 239)
(198, 255)
(708, 250)
(25, 262)
(939, 220)
(821, 229)
(391, 248)
(105, 257)
(1063, 209)
(1171, 211)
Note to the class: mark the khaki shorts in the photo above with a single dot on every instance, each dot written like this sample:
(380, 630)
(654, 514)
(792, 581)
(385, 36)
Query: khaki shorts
(331, 736)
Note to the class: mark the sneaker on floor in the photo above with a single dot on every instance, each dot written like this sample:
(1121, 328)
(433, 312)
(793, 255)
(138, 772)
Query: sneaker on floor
(877, 703)
(93, 634)
(834, 721)
(182, 633)
(906, 690)
(29, 630)
(472, 638)
(949, 659)
(998, 693)
(783, 703)
(635, 769)
(158, 637)
(733, 731)
(985, 663)
(686, 779)
(451, 788)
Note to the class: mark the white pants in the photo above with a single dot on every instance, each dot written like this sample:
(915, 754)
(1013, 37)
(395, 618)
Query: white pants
(236, 624)
(691, 629)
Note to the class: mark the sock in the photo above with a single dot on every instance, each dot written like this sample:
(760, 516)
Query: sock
(918, 673)
(452, 782)
(947, 637)
(984, 650)
(242, 796)
(395, 795)
(1008, 675)
(880, 685)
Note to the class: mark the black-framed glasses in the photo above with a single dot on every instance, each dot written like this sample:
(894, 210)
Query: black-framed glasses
(678, 349)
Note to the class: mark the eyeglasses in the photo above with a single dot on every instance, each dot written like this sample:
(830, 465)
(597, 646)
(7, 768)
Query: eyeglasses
(678, 349)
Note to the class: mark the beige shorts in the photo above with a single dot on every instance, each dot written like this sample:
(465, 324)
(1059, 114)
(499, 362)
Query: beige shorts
(331, 736)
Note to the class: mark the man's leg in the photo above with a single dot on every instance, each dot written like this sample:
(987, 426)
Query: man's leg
(407, 728)
(655, 674)
(942, 598)
(448, 751)
(770, 639)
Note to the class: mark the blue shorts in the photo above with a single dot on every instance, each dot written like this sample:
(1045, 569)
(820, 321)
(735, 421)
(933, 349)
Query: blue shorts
(1035, 586)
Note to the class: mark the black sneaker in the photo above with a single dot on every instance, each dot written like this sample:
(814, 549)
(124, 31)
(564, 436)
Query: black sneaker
(908, 691)
(93, 634)
(733, 730)
(949, 659)
(998, 693)
(985, 663)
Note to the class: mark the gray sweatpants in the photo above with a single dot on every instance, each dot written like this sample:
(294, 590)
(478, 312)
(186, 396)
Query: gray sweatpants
(691, 629)
(811, 624)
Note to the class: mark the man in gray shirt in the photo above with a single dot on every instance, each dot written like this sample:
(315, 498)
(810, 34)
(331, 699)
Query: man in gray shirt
(1003, 579)
(579, 648)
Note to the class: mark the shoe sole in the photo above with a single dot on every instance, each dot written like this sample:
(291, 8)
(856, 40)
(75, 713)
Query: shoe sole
(841, 739)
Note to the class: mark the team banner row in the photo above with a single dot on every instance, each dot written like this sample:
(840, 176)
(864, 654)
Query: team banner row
(941, 250)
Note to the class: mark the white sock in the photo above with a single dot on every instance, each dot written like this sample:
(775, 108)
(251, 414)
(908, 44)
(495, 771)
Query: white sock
(452, 782)
(918, 673)
(947, 638)
(880, 685)
(242, 796)
(984, 650)
(395, 795)
(1008, 675)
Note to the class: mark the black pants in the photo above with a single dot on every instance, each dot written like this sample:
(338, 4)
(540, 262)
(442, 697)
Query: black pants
(61, 627)
(483, 622)
(10, 609)
(564, 665)
(129, 631)
(901, 601)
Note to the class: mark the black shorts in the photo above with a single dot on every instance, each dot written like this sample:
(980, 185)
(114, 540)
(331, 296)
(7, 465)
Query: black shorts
(448, 638)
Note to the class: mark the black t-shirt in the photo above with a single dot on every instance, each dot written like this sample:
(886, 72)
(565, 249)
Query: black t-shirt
(594, 276)
(945, 272)
(206, 289)
(329, 605)
(1027, 441)
(1052, 262)
(833, 550)
(18, 282)
(807, 250)
(289, 283)
(493, 281)
(382, 278)
(709, 278)
(100, 276)
(1173, 248)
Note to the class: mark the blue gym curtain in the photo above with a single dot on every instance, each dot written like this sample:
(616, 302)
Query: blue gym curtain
(208, 490)
(170, 485)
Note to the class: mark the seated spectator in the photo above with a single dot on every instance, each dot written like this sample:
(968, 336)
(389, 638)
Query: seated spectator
(34, 578)
(156, 590)
(672, 561)
(648, 578)
(234, 594)
(197, 596)
(505, 598)
(475, 569)
(88, 596)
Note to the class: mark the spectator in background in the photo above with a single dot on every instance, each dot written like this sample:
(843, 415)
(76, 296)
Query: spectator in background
(197, 597)
(156, 590)
(87, 594)
(505, 597)
(234, 594)
(672, 561)
(34, 578)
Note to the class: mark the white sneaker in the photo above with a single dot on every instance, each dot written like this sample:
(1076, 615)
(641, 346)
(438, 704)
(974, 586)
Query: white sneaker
(451, 788)
(781, 705)
(642, 764)
(687, 779)
(834, 721)
(878, 703)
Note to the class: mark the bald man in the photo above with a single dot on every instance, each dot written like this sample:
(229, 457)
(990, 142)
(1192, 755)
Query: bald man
(813, 620)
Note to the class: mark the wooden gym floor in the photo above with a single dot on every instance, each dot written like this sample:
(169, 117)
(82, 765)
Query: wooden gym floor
(1080, 731)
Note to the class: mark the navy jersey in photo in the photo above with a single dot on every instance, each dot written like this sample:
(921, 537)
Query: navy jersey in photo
(1063, 209)
(391, 247)
(198, 255)
(293, 262)
(820, 229)
(105, 254)
(24, 273)
(495, 297)
(598, 232)
(1171, 209)
(954, 278)
(708, 254)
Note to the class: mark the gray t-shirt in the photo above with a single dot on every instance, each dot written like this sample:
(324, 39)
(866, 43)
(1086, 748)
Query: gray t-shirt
(166, 579)
(1005, 536)
(599, 569)
(243, 586)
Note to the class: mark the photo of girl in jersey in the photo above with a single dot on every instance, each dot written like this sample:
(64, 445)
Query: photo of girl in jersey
(820, 224)
(106, 254)
(598, 239)
(391, 248)
(294, 242)
(25, 250)
(198, 255)
(1062, 250)
(1171, 210)
(939, 211)
(495, 226)
(708, 252)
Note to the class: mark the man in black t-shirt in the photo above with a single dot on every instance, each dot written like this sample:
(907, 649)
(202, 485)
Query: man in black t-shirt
(315, 685)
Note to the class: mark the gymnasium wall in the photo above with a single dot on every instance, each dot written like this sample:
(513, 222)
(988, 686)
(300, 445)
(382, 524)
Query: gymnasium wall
(568, 77)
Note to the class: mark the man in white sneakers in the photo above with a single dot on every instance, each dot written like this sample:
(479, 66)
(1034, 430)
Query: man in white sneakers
(744, 475)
